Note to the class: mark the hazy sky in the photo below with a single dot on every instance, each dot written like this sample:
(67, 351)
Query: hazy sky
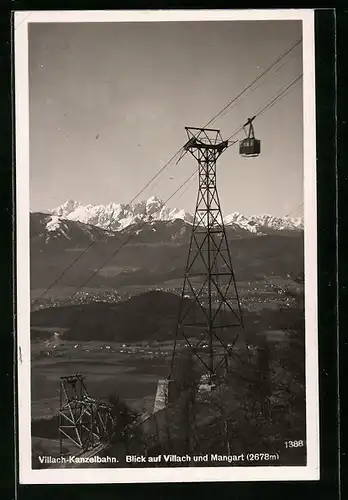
(109, 103)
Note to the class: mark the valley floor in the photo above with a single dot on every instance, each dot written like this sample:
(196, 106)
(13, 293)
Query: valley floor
(129, 370)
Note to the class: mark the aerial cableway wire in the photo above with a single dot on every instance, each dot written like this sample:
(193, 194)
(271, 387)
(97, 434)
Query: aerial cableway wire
(272, 75)
(278, 97)
(94, 241)
(261, 111)
(233, 101)
(127, 241)
(296, 211)
(256, 80)
(168, 163)
(270, 104)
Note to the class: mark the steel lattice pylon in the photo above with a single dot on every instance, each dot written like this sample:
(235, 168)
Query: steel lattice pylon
(212, 322)
(84, 421)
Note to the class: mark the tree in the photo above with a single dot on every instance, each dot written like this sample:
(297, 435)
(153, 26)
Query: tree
(291, 407)
(182, 407)
(125, 418)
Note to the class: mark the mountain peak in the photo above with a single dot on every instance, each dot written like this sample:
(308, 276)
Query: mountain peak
(66, 208)
(154, 199)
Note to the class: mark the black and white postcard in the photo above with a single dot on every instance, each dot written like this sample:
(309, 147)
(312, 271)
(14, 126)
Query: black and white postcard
(166, 246)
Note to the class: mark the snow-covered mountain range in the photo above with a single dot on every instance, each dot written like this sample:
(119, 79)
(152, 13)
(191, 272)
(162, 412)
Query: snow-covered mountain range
(117, 217)
(263, 224)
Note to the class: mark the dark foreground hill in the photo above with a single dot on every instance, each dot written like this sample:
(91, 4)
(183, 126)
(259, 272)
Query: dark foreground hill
(145, 316)
(149, 316)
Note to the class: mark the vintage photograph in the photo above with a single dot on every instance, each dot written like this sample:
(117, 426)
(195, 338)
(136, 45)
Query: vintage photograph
(166, 244)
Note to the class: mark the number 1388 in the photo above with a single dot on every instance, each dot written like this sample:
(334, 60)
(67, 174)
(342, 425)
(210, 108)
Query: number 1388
(294, 444)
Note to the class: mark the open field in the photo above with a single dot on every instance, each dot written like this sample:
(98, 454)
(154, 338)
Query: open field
(110, 370)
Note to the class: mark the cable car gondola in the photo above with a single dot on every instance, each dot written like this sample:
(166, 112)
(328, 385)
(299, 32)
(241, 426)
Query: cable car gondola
(250, 146)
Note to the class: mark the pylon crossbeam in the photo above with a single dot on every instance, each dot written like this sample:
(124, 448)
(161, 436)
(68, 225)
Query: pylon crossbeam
(224, 301)
(193, 302)
(198, 300)
(83, 412)
(199, 253)
(228, 264)
(70, 438)
(67, 418)
(195, 352)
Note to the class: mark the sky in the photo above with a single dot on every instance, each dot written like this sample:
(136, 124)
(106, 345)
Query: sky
(108, 103)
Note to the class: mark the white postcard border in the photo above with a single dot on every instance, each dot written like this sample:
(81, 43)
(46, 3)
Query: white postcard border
(182, 474)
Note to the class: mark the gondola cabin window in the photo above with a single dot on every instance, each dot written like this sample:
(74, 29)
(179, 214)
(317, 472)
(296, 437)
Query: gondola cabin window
(249, 146)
